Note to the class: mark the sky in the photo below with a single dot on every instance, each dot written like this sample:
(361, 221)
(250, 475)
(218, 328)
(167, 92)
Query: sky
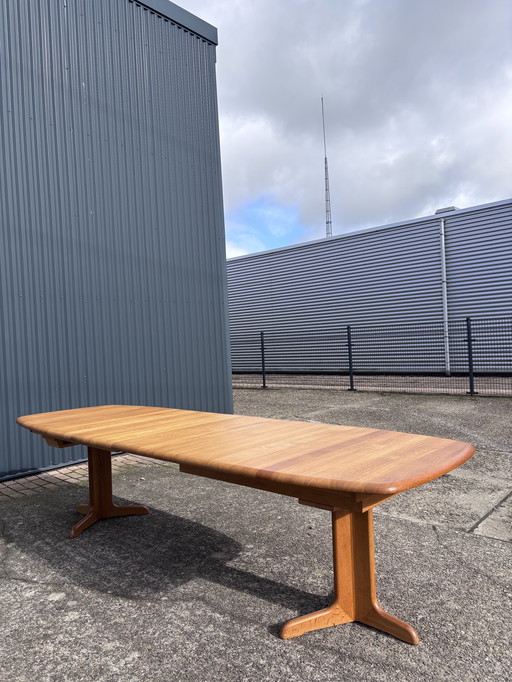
(418, 112)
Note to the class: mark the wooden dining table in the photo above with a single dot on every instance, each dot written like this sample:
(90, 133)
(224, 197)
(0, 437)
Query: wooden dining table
(346, 470)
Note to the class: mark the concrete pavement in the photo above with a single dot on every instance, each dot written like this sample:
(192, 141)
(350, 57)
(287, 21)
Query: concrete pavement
(196, 591)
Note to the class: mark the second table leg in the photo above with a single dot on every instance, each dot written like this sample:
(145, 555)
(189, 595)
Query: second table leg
(355, 597)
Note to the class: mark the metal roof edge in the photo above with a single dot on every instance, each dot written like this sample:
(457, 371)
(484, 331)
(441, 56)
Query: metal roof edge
(182, 17)
(365, 230)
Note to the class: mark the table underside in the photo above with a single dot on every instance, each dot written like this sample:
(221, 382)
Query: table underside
(355, 597)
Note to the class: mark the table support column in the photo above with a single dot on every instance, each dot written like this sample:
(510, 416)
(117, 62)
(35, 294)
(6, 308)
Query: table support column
(355, 597)
(101, 505)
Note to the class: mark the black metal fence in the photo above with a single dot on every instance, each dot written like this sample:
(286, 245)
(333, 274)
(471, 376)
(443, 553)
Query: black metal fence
(471, 356)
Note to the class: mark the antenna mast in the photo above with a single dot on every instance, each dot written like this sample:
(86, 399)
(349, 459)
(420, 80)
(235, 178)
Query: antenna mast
(328, 221)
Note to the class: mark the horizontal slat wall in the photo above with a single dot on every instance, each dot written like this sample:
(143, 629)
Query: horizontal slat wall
(388, 275)
(112, 261)
(479, 262)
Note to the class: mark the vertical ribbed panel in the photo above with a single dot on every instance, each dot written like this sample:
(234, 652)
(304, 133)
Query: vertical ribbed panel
(112, 265)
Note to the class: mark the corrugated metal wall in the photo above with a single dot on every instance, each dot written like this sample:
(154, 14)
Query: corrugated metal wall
(383, 275)
(388, 275)
(112, 261)
(479, 262)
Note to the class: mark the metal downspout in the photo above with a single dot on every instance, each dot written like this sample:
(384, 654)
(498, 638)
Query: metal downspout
(445, 298)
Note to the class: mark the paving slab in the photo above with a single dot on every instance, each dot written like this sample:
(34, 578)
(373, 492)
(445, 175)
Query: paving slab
(498, 524)
(488, 465)
(456, 502)
(197, 589)
(485, 422)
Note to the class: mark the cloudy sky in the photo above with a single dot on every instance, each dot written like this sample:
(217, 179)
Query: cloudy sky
(418, 111)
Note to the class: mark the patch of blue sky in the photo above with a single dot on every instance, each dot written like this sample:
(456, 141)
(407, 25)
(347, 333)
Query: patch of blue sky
(263, 224)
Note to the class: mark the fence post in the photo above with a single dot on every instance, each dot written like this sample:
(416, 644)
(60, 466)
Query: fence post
(350, 359)
(263, 372)
(469, 340)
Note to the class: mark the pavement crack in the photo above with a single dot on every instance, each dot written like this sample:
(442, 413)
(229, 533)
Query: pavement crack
(491, 511)
(18, 579)
(463, 564)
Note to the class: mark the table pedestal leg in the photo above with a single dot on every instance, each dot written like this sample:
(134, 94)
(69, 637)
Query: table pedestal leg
(101, 505)
(355, 597)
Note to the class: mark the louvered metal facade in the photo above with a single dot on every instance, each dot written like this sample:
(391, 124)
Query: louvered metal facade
(479, 260)
(112, 258)
(387, 275)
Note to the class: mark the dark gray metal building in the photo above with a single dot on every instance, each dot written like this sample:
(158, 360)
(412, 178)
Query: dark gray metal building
(112, 256)
(438, 269)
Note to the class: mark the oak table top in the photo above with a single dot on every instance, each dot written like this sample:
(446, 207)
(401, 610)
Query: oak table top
(344, 469)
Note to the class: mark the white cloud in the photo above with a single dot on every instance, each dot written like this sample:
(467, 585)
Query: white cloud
(418, 100)
(232, 250)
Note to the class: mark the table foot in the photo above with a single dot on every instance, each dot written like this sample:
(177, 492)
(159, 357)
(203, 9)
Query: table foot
(381, 620)
(92, 515)
(332, 615)
(335, 615)
(101, 505)
(84, 523)
(354, 583)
